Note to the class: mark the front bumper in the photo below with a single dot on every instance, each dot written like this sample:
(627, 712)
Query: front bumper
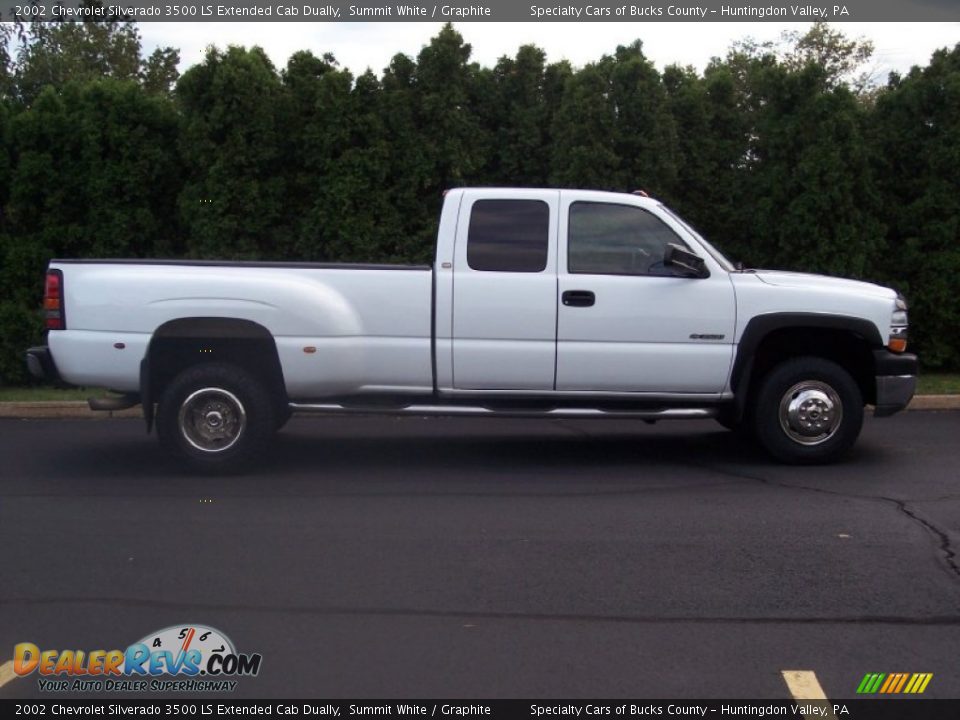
(896, 381)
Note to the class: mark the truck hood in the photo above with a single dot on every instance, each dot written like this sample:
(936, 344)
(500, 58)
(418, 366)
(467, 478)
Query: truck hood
(823, 282)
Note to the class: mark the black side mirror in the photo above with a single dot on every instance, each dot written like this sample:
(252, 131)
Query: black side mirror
(690, 264)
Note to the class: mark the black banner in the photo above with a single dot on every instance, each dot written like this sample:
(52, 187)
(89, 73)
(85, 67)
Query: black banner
(858, 709)
(485, 11)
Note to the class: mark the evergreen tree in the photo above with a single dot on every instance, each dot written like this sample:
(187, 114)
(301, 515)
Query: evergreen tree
(584, 126)
(232, 204)
(446, 114)
(411, 185)
(814, 203)
(305, 80)
(645, 137)
(707, 152)
(92, 176)
(517, 118)
(55, 53)
(780, 153)
(917, 140)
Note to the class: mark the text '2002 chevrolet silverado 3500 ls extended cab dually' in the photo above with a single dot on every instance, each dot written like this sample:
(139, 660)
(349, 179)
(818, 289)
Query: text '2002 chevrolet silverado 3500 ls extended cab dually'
(540, 303)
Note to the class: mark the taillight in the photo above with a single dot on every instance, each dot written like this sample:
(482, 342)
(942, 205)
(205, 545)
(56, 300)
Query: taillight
(53, 301)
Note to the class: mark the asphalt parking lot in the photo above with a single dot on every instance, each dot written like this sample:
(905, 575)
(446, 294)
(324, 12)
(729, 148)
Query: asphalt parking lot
(387, 557)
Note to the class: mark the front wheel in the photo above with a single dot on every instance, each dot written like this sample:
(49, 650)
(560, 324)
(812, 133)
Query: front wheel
(808, 410)
(216, 418)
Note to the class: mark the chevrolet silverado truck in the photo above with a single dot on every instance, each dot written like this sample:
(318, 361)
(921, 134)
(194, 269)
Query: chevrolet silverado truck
(540, 303)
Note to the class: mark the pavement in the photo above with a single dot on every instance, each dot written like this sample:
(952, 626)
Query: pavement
(382, 557)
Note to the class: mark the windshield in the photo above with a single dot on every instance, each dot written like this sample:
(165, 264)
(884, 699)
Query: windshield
(716, 254)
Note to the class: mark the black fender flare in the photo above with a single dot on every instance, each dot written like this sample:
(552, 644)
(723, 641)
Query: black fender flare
(760, 326)
(197, 327)
(146, 396)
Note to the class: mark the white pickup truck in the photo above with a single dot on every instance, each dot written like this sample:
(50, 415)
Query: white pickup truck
(540, 303)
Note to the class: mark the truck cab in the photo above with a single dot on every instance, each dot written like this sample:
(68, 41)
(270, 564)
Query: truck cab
(568, 292)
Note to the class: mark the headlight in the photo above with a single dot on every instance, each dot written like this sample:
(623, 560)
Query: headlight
(898, 326)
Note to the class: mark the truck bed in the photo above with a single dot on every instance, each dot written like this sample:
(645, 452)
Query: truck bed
(335, 325)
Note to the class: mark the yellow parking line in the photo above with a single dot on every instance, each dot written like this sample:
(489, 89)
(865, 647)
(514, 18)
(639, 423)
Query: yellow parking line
(6, 673)
(803, 685)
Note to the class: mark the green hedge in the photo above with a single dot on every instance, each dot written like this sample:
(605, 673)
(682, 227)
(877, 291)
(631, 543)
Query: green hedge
(777, 162)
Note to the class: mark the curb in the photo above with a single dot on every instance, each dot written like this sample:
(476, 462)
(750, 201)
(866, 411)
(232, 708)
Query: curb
(77, 409)
(935, 402)
(62, 409)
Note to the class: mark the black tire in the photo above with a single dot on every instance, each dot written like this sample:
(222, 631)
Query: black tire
(216, 418)
(808, 410)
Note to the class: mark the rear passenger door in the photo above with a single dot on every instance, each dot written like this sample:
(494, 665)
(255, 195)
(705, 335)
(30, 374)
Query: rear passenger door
(505, 290)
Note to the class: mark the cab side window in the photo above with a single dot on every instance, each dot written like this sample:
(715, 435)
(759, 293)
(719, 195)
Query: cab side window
(610, 239)
(508, 235)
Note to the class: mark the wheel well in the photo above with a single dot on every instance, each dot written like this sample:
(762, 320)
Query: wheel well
(844, 347)
(183, 343)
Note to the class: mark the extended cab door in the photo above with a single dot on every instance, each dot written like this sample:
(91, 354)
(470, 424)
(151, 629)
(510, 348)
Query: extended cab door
(505, 290)
(626, 322)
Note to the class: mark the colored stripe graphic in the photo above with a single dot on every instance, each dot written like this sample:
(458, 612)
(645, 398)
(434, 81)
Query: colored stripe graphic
(864, 684)
(875, 685)
(894, 683)
(926, 681)
(900, 683)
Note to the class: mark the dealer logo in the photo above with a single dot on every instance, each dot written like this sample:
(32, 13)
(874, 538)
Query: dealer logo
(185, 652)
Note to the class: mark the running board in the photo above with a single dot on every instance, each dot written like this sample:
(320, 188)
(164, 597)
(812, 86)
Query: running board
(477, 411)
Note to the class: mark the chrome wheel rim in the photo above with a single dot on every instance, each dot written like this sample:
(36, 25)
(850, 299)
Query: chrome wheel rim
(810, 412)
(212, 419)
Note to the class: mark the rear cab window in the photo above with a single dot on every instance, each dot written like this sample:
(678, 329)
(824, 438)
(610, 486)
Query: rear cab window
(509, 236)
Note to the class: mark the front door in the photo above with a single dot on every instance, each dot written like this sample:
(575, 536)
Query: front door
(626, 322)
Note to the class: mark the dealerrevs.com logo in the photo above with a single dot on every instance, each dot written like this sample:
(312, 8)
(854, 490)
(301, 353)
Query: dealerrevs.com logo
(180, 658)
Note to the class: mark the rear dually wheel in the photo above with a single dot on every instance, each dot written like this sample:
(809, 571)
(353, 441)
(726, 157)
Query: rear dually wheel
(216, 418)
